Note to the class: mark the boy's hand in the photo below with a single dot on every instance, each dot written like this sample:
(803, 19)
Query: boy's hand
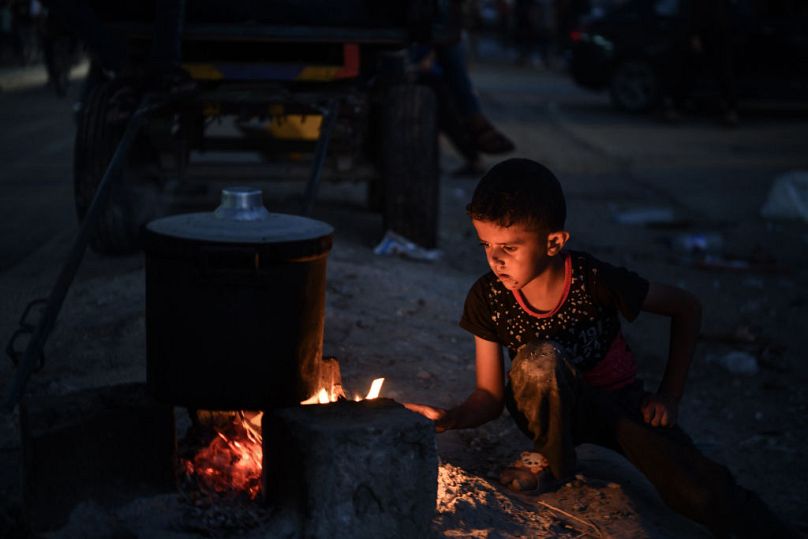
(430, 412)
(660, 410)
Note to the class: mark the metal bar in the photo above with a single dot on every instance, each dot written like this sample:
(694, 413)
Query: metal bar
(54, 303)
(329, 119)
(252, 142)
(264, 32)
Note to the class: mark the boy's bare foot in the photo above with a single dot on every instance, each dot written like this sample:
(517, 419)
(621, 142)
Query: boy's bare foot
(519, 479)
(529, 474)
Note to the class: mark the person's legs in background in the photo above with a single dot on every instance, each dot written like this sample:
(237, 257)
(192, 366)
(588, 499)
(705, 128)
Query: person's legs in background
(165, 74)
(452, 62)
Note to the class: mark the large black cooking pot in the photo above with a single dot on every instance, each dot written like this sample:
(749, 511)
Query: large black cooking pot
(235, 303)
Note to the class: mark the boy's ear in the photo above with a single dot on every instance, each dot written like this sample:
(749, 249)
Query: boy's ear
(556, 241)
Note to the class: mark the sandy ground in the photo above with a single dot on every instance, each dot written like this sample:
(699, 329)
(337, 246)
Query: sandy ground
(397, 318)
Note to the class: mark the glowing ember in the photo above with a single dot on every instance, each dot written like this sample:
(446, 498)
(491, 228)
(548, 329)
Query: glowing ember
(232, 460)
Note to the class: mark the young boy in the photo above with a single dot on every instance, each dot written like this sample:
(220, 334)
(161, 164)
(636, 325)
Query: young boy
(572, 376)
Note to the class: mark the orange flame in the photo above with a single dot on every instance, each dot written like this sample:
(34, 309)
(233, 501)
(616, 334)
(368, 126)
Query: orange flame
(375, 389)
(323, 396)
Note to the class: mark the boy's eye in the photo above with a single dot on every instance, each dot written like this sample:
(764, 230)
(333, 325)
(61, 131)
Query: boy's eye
(508, 248)
(483, 245)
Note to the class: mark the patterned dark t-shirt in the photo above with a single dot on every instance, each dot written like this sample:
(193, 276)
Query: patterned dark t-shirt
(585, 322)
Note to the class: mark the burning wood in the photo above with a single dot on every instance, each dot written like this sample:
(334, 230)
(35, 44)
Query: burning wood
(230, 465)
(325, 396)
(375, 388)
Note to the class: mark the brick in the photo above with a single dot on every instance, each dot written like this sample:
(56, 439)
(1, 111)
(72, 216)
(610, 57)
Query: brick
(353, 469)
(109, 445)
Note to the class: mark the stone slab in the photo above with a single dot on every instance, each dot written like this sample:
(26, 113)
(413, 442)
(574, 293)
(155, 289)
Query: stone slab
(353, 469)
(108, 445)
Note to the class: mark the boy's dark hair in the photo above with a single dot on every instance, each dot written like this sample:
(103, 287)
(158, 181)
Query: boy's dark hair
(519, 191)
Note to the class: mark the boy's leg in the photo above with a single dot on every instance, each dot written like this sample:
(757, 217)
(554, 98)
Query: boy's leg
(541, 397)
(687, 481)
(450, 121)
(452, 59)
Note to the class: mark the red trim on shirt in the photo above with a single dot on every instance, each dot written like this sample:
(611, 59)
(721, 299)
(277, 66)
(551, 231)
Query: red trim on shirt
(567, 282)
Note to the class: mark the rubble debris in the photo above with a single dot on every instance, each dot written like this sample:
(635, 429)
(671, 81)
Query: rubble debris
(469, 506)
(788, 197)
(698, 243)
(719, 263)
(736, 362)
(396, 244)
(644, 216)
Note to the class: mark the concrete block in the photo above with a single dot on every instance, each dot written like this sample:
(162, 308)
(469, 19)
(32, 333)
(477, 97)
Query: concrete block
(108, 445)
(353, 469)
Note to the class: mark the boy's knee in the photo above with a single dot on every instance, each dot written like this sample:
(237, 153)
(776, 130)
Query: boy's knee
(537, 362)
(540, 354)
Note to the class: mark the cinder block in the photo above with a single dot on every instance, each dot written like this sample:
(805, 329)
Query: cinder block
(353, 469)
(109, 445)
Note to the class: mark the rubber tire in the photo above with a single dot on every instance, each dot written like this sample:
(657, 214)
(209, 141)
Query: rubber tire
(409, 163)
(132, 197)
(634, 86)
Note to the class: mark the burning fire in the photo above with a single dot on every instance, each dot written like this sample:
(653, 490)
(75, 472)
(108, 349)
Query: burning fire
(232, 462)
(324, 396)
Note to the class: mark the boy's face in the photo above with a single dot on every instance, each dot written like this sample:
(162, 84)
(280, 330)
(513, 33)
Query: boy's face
(516, 254)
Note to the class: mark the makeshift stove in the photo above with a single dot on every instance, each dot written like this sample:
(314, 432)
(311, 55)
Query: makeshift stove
(235, 303)
(221, 455)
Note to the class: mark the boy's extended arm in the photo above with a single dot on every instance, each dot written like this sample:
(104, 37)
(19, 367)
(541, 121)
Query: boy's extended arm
(684, 309)
(485, 402)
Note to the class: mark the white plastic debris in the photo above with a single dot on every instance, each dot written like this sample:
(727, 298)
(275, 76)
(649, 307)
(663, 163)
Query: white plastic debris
(737, 362)
(788, 197)
(698, 243)
(396, 244)
(644, 216)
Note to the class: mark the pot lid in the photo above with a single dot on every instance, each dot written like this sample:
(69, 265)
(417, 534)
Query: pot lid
(241, 218)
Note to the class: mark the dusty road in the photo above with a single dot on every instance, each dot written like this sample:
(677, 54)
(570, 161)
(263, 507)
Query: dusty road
(398, 318)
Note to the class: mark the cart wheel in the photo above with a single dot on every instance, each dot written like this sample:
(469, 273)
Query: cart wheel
(409, 163)
(375, 194)
(134, 198)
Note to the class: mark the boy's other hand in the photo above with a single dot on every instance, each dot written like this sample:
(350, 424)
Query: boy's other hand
(660, 410)
(430, 412)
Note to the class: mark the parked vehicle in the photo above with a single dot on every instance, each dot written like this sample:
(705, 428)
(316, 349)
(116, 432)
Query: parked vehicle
(626, 48)
(312, 67)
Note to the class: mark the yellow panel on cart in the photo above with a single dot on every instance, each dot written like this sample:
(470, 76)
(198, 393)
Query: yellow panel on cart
(203, 72)
(295, 126)
(321, 73)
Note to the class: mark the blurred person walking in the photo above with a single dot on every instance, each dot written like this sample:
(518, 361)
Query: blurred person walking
(460, 116)
(704, 47)
(711, 36)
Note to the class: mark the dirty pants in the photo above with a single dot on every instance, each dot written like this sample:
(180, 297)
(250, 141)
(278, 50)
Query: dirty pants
(551, 404)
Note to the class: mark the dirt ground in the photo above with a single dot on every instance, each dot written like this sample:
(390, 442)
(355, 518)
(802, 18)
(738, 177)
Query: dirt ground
(397, 318)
